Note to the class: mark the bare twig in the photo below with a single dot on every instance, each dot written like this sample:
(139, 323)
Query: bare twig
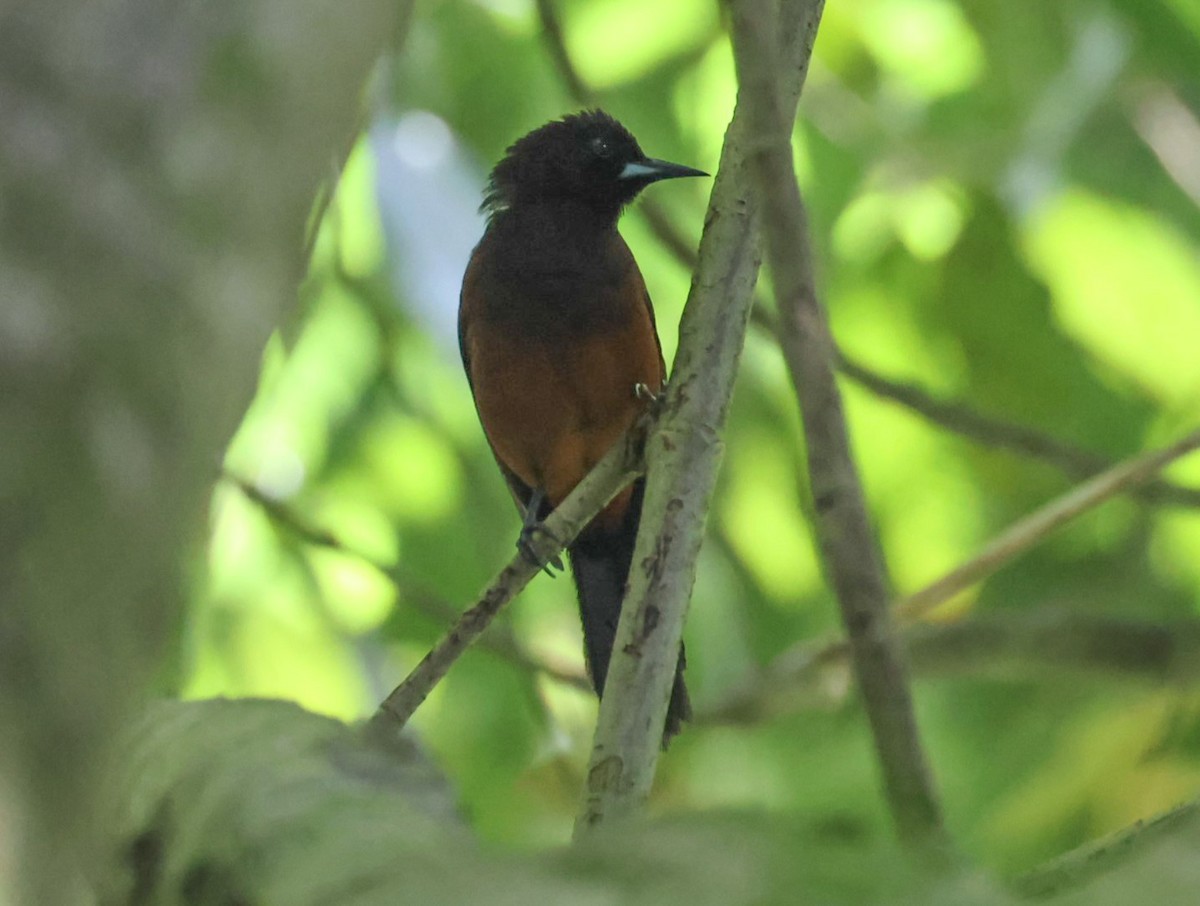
(683, 456)
(1009, 645)
(995, 432)
(851, 558)
(1055, 643)
(617, 469)
(1034, 528)
(556, 43)
(669, 235)
(1083, 865)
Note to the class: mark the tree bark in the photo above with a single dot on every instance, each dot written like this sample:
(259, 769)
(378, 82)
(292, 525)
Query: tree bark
(157, 164)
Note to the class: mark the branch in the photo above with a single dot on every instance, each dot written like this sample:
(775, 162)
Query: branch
(1004, 646)
(994, 432)
(498, 639)
(851, 558)
(1058, 643)
(1080, 866)
(556, 43)
(618, 468)
(682, 457)
(1034, 528)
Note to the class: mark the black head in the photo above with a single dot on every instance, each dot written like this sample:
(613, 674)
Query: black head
(588, 157)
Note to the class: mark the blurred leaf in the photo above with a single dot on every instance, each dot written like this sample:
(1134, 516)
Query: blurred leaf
(1126, 288)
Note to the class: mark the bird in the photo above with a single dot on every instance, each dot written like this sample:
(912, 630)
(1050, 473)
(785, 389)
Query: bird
(561, 349)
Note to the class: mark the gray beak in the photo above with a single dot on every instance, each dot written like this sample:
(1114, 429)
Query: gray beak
(650, 170)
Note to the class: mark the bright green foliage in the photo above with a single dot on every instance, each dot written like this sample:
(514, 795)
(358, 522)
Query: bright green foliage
(1005, 210)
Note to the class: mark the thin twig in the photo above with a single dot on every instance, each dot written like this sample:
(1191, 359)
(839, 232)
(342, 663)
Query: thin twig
(683, 456)
(1054, 643)
(669, 235)
(1083, 865)
(556, 42)
(847, 541)
(498, 639)
(1002, 646)
(999, 433)
(1034, 528)
(616, 470)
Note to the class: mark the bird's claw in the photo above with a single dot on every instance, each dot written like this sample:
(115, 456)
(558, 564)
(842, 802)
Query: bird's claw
(654, 398)
(531, 524)
(525, 546)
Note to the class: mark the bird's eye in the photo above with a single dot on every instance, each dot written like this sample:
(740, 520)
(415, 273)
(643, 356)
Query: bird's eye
(601, 147)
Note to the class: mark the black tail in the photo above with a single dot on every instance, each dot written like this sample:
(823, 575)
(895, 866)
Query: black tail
(600, 563)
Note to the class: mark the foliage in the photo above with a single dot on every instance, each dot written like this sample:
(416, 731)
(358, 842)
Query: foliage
(242, 823)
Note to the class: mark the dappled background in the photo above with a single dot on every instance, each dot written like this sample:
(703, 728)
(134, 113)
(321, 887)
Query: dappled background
(1006, 210)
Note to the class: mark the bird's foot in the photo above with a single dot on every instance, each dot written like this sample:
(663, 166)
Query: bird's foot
(532, 524)
(654, 399)
(526, 546)
(643, 392)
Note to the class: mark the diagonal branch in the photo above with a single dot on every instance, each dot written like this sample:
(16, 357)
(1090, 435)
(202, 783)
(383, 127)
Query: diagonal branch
(1080, 867)
(995, 432)
(849, 552)
(1053, 646)
(556, 43)
(617, 469)
(1034, 528)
